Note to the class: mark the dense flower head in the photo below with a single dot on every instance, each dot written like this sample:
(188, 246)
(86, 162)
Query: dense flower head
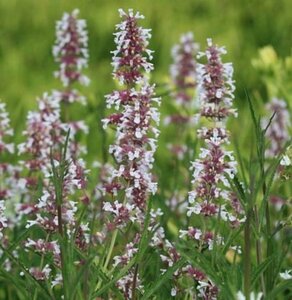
(211, 197)
(134, 145)
(183, 76)
(70, 49)
(136, 133)
(44, 130)
(215, 166)
(130, 182)
(45, 247)
(183, 70)
(69, 96)
(5, 130)
(45, 133)
(278, 130)
(130, 59)
(215, 86)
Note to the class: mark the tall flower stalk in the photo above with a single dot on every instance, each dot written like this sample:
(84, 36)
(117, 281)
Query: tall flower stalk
(211, 194)
(183, 76)
(135, 140)
(53, 162)
(71, 53)
(211, 199)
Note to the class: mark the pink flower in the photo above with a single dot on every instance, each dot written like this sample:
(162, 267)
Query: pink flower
(40, 274)
(277, 133)
(130, 59)
(184, 68)
(136, 134)
(70, 51)
(215, 166)
(5, 130)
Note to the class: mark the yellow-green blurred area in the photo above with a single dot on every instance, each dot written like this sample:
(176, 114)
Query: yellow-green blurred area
(27, 33)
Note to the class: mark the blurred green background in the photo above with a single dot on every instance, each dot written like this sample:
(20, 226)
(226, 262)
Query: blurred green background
(27, 33)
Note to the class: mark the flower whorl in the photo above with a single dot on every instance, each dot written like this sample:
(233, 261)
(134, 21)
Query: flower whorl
(216, 85)
(183, 70)
(70, 49)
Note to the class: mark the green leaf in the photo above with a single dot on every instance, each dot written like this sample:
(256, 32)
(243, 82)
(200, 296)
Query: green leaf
(18, 283)
(31, 279)
(259, 270)
(110, 283)
(163, 278)
(20, 238)
(277, 290)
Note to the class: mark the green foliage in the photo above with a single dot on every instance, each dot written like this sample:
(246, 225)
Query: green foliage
(26, 63)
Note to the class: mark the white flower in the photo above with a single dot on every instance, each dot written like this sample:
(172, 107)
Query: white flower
(253, 296)
(3, 219)
(173, 292)
(285, 161)
(286, 275)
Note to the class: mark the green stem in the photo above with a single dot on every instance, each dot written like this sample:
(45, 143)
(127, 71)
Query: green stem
(113, 241)
(41, 266)
(269, 277)
(259, 251)
(134, 283)
(109, 254)
(247, 255)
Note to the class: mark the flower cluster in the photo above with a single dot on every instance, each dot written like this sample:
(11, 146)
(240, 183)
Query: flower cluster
(71, 52)
(125, 284)
(5, 130)
(45, 134)
(183, 73)
(40, 274)
(277, 132)
(48, 215)
(203, 286)
(184, 68)
(211, 194)
(135, 141)
(133, 149)
(130, 59)
(44, 130)
(52, 161)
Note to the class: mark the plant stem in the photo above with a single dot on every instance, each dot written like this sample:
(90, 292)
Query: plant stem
(41, 266)
(134, 283)
(269, 278)
(247, 256)
(259, 251)
(113, 241)
(109, 254)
